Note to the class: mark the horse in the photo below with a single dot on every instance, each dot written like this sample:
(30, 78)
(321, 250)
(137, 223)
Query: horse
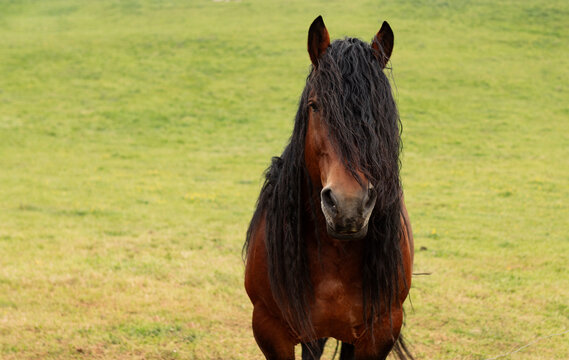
(329, 250)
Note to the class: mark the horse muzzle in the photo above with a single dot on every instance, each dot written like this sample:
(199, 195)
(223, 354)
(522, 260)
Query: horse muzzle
(347, 217)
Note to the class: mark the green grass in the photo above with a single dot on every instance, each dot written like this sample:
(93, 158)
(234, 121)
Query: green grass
(133, 136)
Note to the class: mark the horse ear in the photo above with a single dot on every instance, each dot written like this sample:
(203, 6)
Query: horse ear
(318, 40)
(383, 44)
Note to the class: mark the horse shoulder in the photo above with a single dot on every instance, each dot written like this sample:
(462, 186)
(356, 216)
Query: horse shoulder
(256, 270)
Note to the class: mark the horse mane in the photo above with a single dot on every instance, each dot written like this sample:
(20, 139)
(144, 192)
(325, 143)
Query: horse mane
(358, 107)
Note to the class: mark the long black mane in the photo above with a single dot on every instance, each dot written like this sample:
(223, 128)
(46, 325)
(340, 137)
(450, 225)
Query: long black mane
(358, 107)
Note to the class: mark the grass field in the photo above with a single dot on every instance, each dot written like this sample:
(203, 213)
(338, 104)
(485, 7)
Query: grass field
(133, 136)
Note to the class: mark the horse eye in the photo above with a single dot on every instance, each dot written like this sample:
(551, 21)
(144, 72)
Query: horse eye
(313, 106)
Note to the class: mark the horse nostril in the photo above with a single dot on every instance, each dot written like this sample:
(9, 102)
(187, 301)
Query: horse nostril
(328, 199)
(371, 197)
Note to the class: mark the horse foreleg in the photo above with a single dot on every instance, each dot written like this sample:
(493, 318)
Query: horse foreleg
(347, 352)
(272, 336)
(313, 352)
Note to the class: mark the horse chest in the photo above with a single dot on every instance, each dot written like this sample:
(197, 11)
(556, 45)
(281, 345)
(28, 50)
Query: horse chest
(338, 307)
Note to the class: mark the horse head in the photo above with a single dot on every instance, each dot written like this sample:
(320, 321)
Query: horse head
(347, 193)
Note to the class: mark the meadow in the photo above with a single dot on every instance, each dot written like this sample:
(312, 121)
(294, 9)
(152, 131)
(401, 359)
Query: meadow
(134, 135)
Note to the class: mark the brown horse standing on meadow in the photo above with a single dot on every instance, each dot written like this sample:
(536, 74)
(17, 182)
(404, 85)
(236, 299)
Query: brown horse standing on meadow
(329, 251)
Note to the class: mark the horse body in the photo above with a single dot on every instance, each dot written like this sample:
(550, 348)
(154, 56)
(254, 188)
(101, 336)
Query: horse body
(342, 269)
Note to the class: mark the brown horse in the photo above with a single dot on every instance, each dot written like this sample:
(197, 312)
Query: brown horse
(329, 251)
